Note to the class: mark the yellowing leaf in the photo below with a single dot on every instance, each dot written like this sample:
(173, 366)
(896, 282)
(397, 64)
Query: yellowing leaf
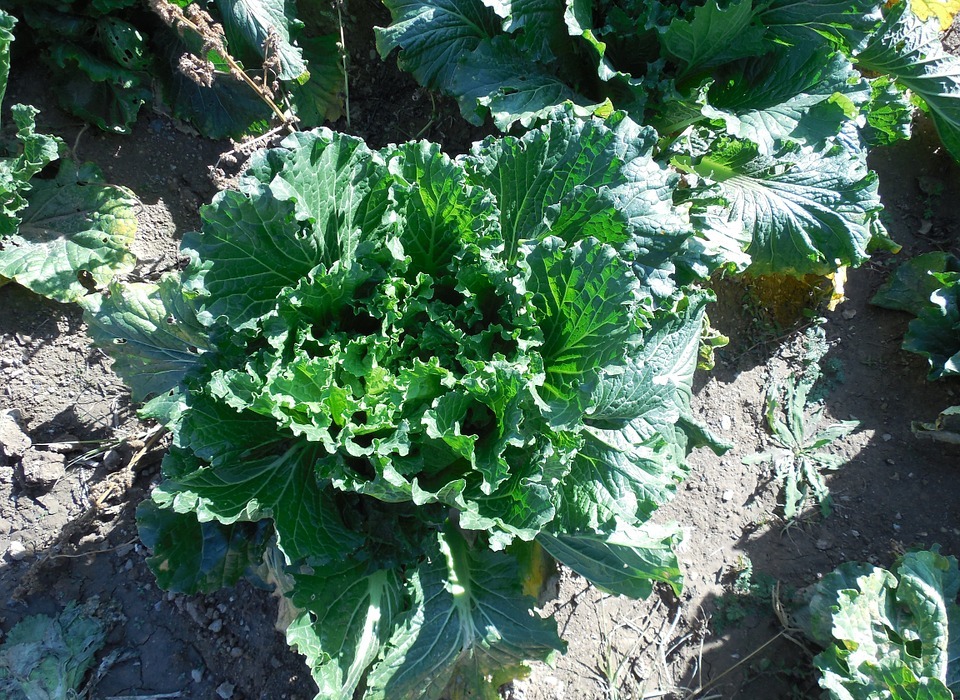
(943, 10)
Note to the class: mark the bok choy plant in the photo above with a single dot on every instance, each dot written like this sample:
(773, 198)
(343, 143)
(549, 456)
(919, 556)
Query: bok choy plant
(411, 376)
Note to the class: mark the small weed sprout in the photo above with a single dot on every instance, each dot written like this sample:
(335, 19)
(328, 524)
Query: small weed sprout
(799, 456)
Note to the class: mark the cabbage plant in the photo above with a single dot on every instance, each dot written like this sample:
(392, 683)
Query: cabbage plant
(888, 634)
(59, 235)
(767, 105)
(416, 379)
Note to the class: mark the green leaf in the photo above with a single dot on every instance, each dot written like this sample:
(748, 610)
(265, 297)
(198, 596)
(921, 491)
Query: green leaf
(536, 178)
(349, 613)
(188, 556)
(850, 24)
(7, 23)
(808, 211)
(803, 94)
(910, 51)
(248, 25)
(152, 336)
(46, 657)
(935, 333)
(627, 562)
(468, 627)
(499, 79)
(36, 152)
(97, 90)
(320, 98)
(714, 35)
(893, 634)
(74, 226)
(243, 269)
(889, 113)
(910, 286)
(433, 35)
(227, 108)
(442, 211)
(338, 187)
(587, 299)
(282, 486)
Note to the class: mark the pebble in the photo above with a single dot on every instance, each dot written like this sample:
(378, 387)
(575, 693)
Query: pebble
(823, 544)
(111, 460)
(225, 690)
(197, 675)
(726, 422)
(215, 626)
(16, 550)
(726, 495)
(236, 652)
(887, 437)
(855, 533)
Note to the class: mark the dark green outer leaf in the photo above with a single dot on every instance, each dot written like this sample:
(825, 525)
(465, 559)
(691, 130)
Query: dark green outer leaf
(229, 108)
(469, 626)
(798, 21)
(808, 211)
(433, 36)
(282, 486)
(7, 22)
(714, 35)
(248, 23)
(804, 94)
(498, 78)
(188, 556)
(73, 226)
(349, 614)
(627, 562)
(935, 333)
(152, 338)
(910, 286)
(911, 51)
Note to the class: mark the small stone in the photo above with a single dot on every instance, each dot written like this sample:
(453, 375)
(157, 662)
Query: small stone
(236, 652)
(887, 437)
(65, 445)
(215, 626)
(16, 551)
(890, 462)
(41, 470)
(14, 441)
(855, 533)
(726, 423)
(849, 314)
(726, 495)
(225, 690)
(824, 544)
(111, 459)
(197, 675)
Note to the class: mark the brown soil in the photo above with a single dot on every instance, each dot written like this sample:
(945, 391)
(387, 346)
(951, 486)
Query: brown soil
(893, 493)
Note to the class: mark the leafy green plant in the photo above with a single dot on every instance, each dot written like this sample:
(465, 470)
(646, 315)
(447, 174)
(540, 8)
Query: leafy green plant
(419, 374)
(45, 658)
(767, 106)
(61, 234)
(225, 66)
(888, 634)
(928, 286)
(800, 455)
(750, 593)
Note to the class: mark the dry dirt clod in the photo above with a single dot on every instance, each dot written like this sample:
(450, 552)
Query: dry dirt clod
(14, 441)
(16, 550)
(41, 470)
